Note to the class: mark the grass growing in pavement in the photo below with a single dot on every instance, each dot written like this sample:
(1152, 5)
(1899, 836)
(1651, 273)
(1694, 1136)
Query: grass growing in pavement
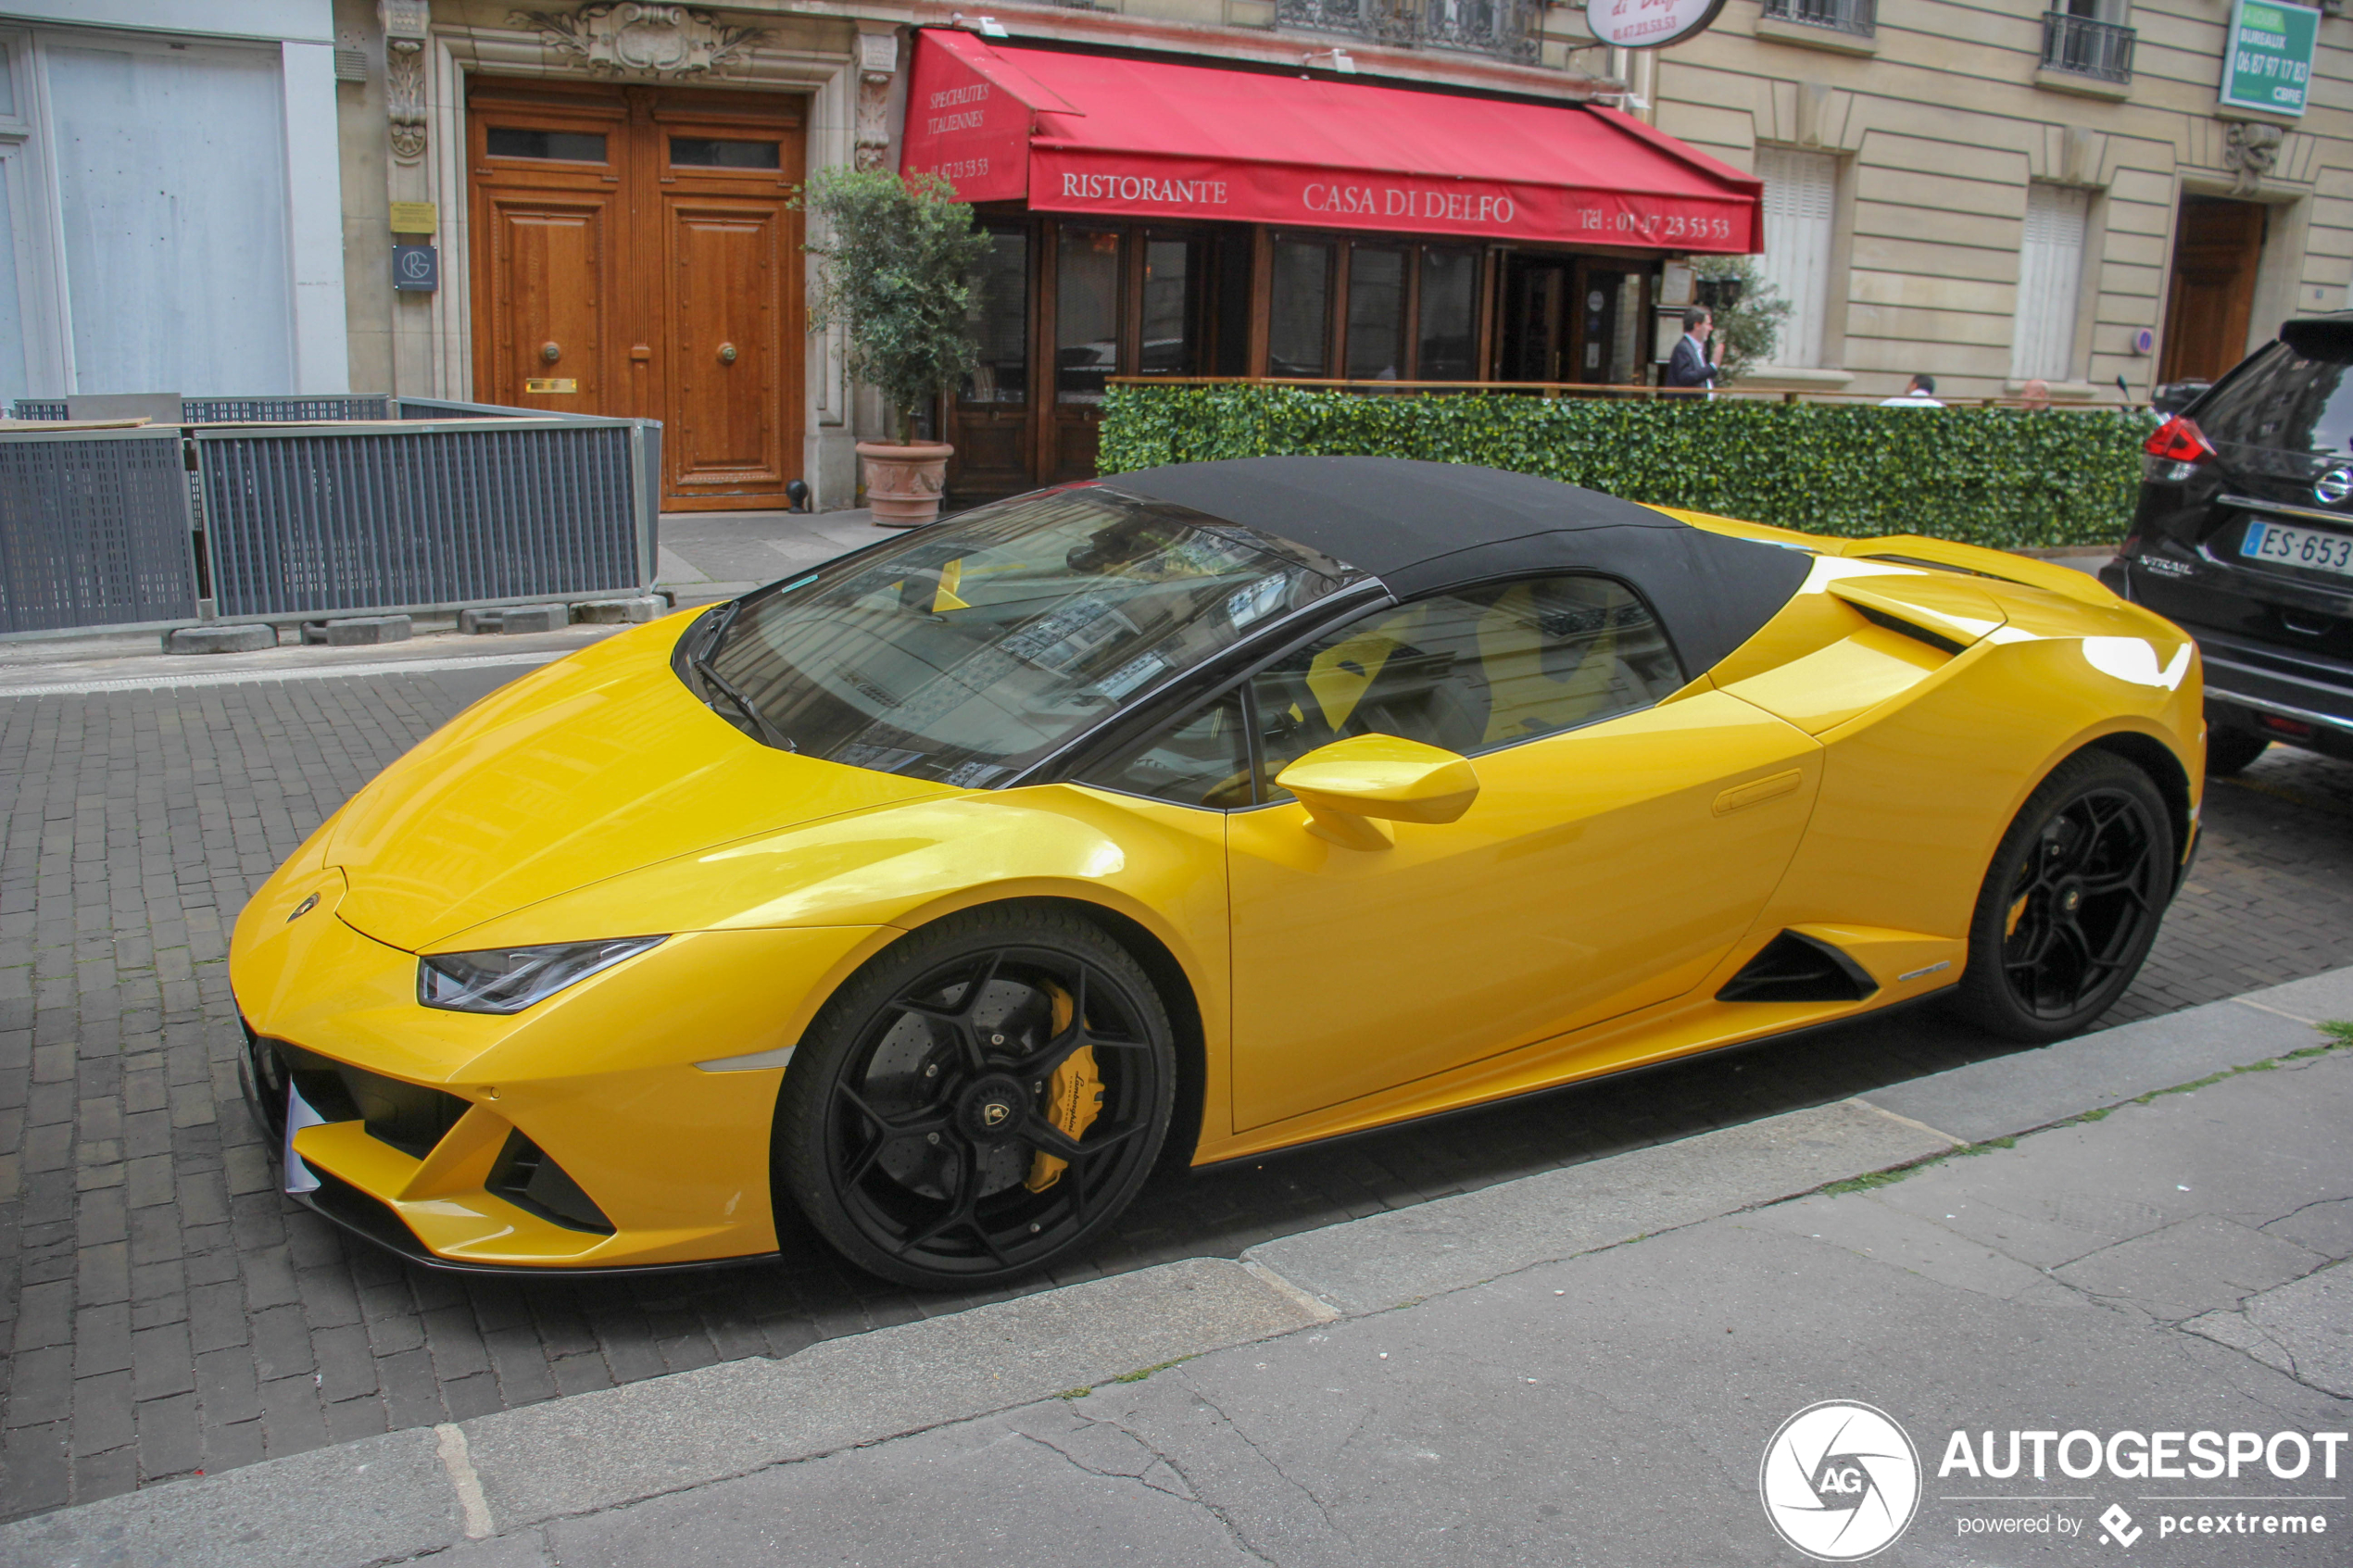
(1889, 1178)
(1137, 1377)
(2340, 1033)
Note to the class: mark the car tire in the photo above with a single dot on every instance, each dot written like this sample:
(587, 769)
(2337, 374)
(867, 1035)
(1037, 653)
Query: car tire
(941, 1123)
(2229, 752)
(2070, 903)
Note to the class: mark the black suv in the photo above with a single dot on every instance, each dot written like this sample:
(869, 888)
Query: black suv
(2245, 537)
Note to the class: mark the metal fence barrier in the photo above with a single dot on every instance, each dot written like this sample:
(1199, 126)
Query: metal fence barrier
(379, 505)
(430, 515)
(95, 530)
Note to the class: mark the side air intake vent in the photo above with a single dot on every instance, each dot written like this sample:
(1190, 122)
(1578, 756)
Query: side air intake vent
(1798, 969)
(1895, 623)
(525, 1177)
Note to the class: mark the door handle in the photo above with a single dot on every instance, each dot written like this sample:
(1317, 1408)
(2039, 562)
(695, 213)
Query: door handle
(1757, 792)
(726, 353)
(551, 352)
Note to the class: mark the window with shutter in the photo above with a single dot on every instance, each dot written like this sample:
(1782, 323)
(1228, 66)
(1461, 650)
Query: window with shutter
(1800, 191)
(2050, 276)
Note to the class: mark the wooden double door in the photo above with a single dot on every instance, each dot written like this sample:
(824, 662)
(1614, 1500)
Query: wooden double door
(634, 255)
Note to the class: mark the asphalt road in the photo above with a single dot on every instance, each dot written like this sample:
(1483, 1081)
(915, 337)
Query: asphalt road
(166, 1311)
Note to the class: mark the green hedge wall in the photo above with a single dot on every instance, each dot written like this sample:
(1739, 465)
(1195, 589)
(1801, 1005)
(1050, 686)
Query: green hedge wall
(1998, 477)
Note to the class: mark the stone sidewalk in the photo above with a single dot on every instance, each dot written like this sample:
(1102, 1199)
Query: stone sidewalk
(1585, 1366)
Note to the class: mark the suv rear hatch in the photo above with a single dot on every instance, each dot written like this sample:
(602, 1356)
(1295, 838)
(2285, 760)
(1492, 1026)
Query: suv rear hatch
(2238, 545)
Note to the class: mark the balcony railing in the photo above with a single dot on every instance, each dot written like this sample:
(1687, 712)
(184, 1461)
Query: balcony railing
(1506, 28)
(1857, 16)
(2080, 46)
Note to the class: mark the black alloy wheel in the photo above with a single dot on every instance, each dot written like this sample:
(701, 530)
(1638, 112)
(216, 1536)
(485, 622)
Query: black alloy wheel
(980, 1100)
(2072, 902)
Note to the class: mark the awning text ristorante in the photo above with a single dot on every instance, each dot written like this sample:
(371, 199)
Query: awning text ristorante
(1086, 134)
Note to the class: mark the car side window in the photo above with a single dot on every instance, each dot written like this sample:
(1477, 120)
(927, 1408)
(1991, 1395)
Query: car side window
(1468, 672)
(1200, 760)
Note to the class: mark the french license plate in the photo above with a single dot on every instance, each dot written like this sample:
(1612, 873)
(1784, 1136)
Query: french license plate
(2316, 549)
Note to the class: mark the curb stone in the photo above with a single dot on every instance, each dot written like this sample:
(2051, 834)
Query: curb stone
(411, 1493)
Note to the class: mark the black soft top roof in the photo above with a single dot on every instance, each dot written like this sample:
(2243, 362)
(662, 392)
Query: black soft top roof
(1427, 527)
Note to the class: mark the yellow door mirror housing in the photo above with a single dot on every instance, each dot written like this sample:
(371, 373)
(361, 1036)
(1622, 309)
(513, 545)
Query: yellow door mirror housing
(1351, 786)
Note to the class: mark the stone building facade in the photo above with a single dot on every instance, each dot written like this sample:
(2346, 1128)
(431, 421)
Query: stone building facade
(1993, 192)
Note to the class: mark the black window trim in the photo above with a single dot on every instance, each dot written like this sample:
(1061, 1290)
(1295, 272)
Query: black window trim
(1223, 681)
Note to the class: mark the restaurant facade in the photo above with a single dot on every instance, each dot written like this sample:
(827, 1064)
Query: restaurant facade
(1155, 216)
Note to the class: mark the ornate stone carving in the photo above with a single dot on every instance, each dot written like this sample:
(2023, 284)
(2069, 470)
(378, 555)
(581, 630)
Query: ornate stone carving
(877, 67)
(630, 39)
(405, 98)
(2248, 151)
(407, 23)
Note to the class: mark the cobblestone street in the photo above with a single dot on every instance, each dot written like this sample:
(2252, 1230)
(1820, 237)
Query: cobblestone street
(164, 1310)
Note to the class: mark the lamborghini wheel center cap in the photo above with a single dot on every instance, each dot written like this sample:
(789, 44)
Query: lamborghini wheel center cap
(2072, 900)
(991, 1107)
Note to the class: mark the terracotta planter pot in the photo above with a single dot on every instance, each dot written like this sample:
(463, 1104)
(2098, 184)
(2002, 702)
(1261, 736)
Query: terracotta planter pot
(904, 483)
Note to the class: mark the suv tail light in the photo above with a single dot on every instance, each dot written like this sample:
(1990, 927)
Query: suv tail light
(2178, 440)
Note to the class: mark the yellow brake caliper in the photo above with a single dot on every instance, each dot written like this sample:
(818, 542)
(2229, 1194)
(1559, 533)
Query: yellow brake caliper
(1074, 1097)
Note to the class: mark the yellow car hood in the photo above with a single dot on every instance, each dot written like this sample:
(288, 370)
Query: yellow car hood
(589, 768)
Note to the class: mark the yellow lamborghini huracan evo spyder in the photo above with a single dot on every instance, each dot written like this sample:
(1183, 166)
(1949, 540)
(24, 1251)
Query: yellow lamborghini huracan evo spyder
(1223, 806)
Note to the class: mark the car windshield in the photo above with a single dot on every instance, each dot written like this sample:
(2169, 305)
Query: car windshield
(2286, 402)
(975, 646)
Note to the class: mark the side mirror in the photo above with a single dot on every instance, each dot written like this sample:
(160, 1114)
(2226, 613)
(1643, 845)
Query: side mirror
(1352, 786)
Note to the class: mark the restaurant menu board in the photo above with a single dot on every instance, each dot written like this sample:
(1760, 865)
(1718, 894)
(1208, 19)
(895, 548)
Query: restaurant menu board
(1650, 24)
(2269, 63)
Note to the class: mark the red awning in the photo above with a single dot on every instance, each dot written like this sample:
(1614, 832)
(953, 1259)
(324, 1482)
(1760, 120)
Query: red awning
(1079, 133)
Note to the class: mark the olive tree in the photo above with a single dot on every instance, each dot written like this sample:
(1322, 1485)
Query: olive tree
(895, 263)
(1752, 322)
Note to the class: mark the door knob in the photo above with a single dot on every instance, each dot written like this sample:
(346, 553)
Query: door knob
(726, 353)
(551, 352)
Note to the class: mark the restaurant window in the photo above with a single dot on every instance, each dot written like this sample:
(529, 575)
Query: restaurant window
(1449, 347)
(1173, 279)
(1376, 312)
(1407, 312)
(998, 317)
(1299, 308)
(1086, 313)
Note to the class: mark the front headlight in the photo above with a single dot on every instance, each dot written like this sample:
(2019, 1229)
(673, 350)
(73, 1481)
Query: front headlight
(511, 979)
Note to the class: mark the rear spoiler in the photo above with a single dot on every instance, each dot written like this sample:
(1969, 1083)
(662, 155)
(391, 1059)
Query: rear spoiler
(1912, 548)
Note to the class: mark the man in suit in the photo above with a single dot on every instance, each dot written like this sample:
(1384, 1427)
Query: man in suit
(1697, 359)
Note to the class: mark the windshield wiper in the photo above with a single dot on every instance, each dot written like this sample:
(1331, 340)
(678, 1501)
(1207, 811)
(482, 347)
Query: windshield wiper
(744, 704)
(718, 631)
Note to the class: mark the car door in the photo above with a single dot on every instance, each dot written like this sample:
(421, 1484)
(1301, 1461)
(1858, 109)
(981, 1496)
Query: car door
(1618, 847)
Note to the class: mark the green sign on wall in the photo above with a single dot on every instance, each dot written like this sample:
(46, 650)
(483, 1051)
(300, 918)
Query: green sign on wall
(2269, 63)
